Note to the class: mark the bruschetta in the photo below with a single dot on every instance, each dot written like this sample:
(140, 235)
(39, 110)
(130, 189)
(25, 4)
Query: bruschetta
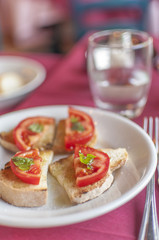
(78, 128)
(80, 180)
(26, 188)
(33, 132)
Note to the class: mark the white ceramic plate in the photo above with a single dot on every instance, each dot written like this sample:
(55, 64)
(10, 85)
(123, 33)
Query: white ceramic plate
(30, 71)
(113, 131)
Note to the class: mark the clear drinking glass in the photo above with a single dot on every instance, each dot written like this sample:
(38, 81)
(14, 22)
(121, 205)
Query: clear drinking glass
(119, 70)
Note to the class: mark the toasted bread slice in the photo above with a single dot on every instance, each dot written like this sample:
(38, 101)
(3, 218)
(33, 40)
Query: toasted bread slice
(18, 193)
(7, 141)
(63, 171)
(45, 142)
(59, 141)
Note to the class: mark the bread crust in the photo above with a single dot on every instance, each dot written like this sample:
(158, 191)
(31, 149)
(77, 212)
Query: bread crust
(63, 171)
(7, 141)
(59, 141)
(18, 193)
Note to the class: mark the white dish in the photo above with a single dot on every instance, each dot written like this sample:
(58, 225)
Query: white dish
(31, 72)
(113, 131)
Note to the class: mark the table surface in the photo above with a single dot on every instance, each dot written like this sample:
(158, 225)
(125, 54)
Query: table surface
(67, 83)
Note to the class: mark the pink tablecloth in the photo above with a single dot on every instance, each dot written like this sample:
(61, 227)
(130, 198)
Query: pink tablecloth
(67, 83)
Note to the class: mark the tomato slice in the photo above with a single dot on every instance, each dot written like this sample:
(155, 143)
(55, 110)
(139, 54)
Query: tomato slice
(26, 165)
(30, 130)
(79, 128)
(87, 174)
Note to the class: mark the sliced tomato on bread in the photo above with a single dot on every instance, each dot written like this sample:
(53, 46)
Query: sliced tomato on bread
(29, 131)
(90, 165)
(26, 165)
(79, 128)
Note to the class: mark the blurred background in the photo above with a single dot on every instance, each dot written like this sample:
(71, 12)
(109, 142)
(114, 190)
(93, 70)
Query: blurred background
(56, 25)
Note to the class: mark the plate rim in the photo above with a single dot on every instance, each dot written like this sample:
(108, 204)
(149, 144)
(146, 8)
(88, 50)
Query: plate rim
(55, 221)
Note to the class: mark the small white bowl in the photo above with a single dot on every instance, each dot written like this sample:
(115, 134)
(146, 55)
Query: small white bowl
(31, 72)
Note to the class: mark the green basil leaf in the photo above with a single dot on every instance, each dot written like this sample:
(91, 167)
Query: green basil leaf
(77, 126)
(86, 159)
(36, 127)
(23, 163)
(74, 119)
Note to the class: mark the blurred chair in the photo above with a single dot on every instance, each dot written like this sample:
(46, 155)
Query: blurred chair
(28, 25)
(107, 14)
(1, 39)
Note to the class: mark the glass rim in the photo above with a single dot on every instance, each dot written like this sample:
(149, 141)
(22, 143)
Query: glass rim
(96, 35)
